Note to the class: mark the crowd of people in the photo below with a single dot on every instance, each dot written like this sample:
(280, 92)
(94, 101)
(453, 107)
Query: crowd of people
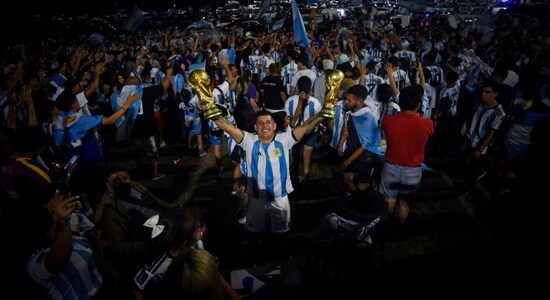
(90, 231)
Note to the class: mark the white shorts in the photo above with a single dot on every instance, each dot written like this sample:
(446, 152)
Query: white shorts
(261, 213)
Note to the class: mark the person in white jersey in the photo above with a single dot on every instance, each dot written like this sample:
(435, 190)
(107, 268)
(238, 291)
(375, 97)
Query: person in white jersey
(268, 174)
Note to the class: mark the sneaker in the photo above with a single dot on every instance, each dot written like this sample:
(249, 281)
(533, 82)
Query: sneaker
(162, 145)
(157, 176)
(242, 220)
(462, 193)
(481, 176)
(202, 153)
(362, 236)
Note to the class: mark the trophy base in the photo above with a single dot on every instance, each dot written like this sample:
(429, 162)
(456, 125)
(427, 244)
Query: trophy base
(212, 112)
(328, 112)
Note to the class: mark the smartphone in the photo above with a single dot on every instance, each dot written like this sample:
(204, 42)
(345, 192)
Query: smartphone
(72, 160)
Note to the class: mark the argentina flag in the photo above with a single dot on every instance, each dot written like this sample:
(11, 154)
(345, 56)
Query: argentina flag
(278, 24)
(126, 123)
(264, 6)
(197, 66)
(134, 19)
(300, 34)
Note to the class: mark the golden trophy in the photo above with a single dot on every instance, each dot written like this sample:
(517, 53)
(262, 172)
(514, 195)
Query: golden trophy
(200, 82)
(333, 83)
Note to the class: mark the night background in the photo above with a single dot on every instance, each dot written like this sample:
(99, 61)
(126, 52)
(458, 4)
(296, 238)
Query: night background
(24, 19)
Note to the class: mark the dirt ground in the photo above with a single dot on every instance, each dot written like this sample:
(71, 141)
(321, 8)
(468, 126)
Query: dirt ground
(448, 245)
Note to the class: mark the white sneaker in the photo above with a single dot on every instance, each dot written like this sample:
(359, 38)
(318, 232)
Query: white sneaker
(157, 176)
(242, 220)
(481, 176)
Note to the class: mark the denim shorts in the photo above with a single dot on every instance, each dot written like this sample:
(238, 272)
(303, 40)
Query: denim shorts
(310, 139)
(399, 180)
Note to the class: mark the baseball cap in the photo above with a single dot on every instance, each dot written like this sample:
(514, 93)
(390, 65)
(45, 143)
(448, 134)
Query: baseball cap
(328, 64)
(342, 58)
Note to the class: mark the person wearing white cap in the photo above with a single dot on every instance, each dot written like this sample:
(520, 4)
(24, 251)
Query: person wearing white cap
(319, 87)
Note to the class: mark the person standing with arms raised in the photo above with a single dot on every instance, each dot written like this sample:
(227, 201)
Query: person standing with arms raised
(267, 158)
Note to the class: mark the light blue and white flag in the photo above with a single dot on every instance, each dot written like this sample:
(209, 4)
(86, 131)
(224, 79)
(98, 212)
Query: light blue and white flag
(278, 24)
(96, 37)
(300, 34)
(264, 6)
(126, 122)
(197, 66)
(134, 19)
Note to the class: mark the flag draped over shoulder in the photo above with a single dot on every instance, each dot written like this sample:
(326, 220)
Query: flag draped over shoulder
(300, 34)
(364, 122)
(278, 24)
(126, 123)
(264, 6)
(414, 5)
(134, 19)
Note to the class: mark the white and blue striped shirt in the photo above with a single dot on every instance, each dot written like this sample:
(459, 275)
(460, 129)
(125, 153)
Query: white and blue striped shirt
(339, 121)
(372, 82)
(288, 72)
(268, 165)
(313, 106)
(79, 278)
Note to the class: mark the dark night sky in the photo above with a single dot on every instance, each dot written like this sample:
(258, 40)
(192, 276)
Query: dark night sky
(48, 8)
(20, 16)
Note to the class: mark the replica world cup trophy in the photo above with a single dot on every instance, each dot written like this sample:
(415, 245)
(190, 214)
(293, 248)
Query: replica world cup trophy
(333, 83)
(200, 82)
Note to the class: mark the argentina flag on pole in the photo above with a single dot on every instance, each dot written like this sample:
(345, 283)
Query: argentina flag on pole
(134, 19)
(300, 34)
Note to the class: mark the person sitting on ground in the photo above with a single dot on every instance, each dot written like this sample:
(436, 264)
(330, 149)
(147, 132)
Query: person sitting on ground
(194, 275)
(176, 231)
(124, 207)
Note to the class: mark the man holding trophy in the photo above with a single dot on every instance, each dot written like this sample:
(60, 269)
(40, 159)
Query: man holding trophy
(267, 155)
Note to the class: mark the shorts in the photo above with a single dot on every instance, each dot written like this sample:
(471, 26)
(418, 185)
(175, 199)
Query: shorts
(310, 139)
(399, 180)
(215, 137)
(193, 127)
(365, 168)
(146, 147)
(261, 213)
